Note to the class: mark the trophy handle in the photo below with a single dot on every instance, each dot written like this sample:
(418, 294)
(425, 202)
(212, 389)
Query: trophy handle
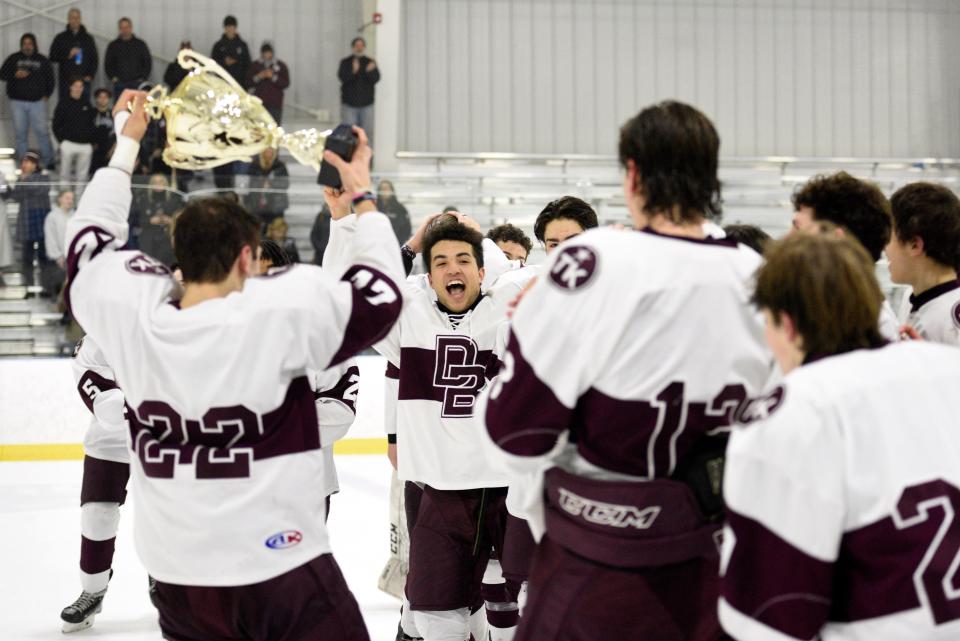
(198, 63)
(156, 102)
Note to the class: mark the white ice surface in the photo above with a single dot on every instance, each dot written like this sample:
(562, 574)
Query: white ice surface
(40, 548)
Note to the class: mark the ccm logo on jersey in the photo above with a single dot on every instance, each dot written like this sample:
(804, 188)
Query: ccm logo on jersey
(574, 267)
(284, 540)
(599, 513)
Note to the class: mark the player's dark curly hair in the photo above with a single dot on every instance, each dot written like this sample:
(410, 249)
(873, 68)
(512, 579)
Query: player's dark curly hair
(856, 205)
(566, 207)
(510, 234)
(209, 235)
(749, 235)
(676, 151)
(272, 251)
(452, 231)
(932, 213)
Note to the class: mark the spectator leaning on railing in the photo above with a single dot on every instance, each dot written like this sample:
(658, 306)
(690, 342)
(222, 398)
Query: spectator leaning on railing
(268, 78)
(269, 181)
(127, 61)
(157, 205)
(388, 205)
(73, 126)
(29, 79)
(32, 193)
(54, 241)
(75, 54)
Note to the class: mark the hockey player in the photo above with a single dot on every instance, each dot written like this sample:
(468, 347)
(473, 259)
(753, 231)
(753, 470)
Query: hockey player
(562, 219)
(924, 252)
(106, 469)
(858, 208)
(221, 429)
(446, 347)
(843, 482)
(512, 241)
(625, 424)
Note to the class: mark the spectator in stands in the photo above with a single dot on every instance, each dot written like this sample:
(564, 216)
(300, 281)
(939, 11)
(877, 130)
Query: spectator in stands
(511, 240)
(103, 134)
(231, 52)
(268, 186)
(29, 79)
(561, 219)
(54, 241)
(157, 207)
(277, 232)
(32, 193)
(749, 235)
(320, 234)
(75, 54)
(73, 126)
(388, 204)
(175, 74)
(358, 74)
(268, 78)
(127, 61)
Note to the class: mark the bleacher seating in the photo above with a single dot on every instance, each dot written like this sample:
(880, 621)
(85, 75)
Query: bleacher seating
(495, 188)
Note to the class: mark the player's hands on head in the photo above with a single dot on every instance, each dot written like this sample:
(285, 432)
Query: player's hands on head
(355, 175)
(416, 242)
(338, 201)
(135, 102)
(467, 221)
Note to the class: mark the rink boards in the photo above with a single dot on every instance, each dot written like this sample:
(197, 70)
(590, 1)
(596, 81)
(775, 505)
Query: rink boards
(43, 417)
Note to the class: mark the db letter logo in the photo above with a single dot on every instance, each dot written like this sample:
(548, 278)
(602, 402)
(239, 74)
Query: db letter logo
(284, 540)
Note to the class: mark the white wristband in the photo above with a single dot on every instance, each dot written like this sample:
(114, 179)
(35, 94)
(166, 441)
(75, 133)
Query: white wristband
(120, 120)
(125, 154)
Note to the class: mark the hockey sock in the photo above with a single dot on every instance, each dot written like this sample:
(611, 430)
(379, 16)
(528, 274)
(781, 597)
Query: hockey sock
(98, 533)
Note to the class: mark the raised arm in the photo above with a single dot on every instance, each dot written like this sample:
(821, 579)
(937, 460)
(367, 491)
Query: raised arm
(100, 223)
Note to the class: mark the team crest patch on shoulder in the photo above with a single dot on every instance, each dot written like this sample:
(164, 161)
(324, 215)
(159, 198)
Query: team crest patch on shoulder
(143, 264)
(758, 409)
(574, 267)
(955, 314)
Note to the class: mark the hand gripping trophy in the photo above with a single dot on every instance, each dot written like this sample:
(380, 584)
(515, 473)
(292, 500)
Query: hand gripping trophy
(212, 121)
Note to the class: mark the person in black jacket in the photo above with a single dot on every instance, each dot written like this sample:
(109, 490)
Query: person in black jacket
(358, 74)
(231, 52)
(103, 135)
(268, 186)
(320, 234)
(73, 127)
(29, 79)
(127, 61)
(175, 74)
(388, 205)
(75, 53)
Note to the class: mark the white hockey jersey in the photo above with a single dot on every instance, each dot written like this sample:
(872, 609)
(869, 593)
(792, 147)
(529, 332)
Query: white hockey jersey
(842, 502)
(935, 313)
(228, 462)
(439, 368)
(106, 438)
(634, 345)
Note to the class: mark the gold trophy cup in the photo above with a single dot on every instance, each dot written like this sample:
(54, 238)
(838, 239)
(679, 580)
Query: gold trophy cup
(212, 121)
